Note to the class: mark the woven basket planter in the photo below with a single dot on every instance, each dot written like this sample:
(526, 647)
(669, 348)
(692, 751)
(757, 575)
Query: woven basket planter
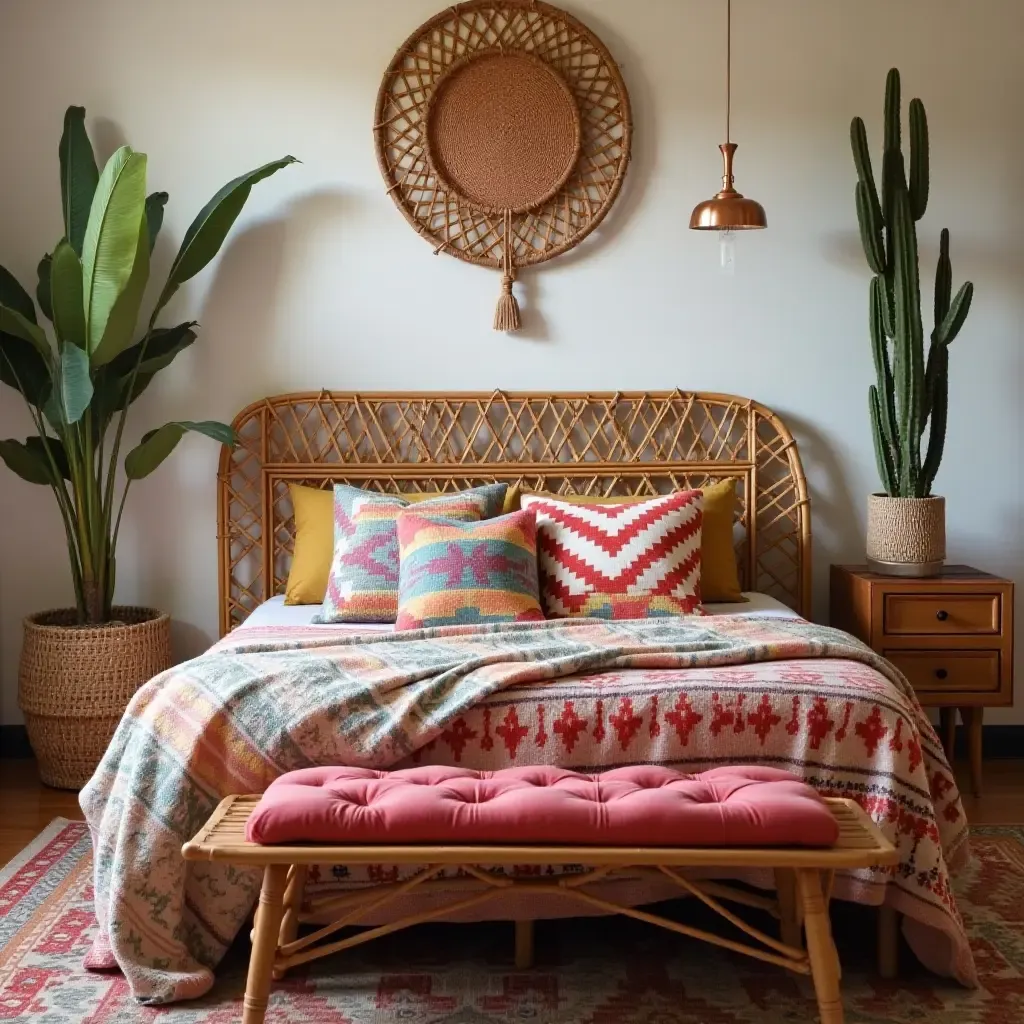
(75, 682)
(906, 536)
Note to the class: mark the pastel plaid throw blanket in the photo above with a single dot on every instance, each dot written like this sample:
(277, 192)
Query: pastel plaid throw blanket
(583, 693)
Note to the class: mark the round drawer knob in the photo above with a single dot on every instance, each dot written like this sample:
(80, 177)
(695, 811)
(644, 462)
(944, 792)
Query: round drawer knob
(942, 615)
(941, 673)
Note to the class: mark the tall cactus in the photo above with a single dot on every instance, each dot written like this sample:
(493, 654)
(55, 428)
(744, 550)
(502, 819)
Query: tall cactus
(910, 394)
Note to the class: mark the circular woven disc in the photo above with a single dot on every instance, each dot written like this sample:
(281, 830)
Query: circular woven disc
(502, 131)
(497, 105)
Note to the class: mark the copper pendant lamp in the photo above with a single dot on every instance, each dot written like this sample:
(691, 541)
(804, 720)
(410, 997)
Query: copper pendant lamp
(728, 210)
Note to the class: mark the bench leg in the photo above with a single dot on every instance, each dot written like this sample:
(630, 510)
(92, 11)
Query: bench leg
(821, 950)
(524, 945)
(264, 946)
(293, 892)
(888, 942)
(790, 924)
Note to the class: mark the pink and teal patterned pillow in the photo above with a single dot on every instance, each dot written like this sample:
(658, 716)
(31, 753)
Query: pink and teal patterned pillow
(363, 582)
(455, 573)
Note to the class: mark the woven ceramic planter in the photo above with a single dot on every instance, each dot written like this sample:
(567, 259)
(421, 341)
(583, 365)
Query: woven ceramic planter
(906, 536)
(75, 682)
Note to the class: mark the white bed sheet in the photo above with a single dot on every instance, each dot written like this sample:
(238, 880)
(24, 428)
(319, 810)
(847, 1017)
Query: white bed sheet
(276, 613)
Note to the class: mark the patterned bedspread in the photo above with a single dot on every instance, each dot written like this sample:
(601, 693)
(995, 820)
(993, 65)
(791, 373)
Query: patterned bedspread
(690, 693)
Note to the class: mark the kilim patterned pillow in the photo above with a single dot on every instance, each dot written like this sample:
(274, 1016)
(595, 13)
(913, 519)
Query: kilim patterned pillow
(363, 583)
(454, 573)
(619, 561)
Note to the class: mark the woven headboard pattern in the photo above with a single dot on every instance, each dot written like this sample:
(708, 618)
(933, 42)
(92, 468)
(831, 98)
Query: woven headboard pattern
(629, 443)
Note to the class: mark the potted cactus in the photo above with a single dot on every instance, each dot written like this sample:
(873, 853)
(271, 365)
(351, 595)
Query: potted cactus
(908, 401)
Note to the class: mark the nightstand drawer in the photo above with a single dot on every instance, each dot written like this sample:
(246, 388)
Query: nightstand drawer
(941, 614)
(940, 671)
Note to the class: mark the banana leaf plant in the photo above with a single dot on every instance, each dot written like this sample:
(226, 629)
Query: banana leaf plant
(79, 379)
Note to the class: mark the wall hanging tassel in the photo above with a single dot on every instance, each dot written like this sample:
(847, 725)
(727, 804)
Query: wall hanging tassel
(506, 316)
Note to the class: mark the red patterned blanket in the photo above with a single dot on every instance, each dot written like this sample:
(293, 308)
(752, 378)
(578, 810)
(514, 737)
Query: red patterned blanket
(691, 693)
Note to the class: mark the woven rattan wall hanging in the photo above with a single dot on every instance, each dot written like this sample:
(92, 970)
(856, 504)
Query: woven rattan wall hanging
(503, 132)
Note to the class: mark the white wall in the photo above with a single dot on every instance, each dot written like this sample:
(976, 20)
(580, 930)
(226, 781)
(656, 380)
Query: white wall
(323, 284)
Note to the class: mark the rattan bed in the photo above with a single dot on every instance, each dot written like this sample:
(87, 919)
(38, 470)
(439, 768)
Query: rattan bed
(593, 443)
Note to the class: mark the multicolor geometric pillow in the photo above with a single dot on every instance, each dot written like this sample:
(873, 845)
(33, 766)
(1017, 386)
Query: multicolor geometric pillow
(455, 573)
(619, 561)
(363, 582)
(313, 552)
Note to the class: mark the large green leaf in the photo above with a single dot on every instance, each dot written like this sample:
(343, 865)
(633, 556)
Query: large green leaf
(112, 381)
(75, 382)
(112, 239)
(12, 322)
(155, 204)
(24, 350)
(43, 286)
(123, 317)
(78, 176)
(163, 345)
(158, 444)
(142, 381)
(53, 412)
(207, 232)
(24, 369)
(13, 296)
(28, 464)
(66, 295)
(162, 351)
(57, 451)
(112, 393)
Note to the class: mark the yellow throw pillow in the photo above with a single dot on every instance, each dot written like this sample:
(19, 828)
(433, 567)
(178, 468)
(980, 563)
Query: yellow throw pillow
(314, 539)
(719, 574)
(314, 544)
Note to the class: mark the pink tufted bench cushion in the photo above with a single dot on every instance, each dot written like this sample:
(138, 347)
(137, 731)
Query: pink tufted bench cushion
(647, 805)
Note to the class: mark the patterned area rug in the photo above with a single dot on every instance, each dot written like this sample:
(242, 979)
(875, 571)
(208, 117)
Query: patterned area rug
(607, 971)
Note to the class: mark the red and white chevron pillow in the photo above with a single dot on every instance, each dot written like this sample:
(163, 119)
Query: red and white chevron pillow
(619, 561)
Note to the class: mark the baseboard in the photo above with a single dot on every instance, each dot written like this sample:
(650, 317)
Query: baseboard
(1001, 741)
(14, 742)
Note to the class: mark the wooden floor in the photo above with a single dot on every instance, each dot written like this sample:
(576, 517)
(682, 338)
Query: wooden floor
(27, 806)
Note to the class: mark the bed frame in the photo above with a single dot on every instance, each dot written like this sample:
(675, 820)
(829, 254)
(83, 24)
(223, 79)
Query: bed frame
(629, 443)
(602, 443)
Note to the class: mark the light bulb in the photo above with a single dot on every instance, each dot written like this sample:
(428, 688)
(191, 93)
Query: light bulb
(727, 251)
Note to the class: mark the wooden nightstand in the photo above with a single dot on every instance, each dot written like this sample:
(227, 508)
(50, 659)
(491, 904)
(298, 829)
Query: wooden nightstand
(951, 635)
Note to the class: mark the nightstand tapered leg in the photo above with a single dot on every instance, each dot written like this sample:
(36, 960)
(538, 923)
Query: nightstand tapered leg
(947, 731)
(973, 718)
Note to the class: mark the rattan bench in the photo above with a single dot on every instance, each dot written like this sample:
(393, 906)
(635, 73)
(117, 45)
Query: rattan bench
(803, 878)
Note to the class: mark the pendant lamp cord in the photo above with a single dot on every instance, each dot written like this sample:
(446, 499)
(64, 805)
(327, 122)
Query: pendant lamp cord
(728, 69)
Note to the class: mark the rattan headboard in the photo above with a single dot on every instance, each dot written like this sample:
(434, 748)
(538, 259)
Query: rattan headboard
(621, 443)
